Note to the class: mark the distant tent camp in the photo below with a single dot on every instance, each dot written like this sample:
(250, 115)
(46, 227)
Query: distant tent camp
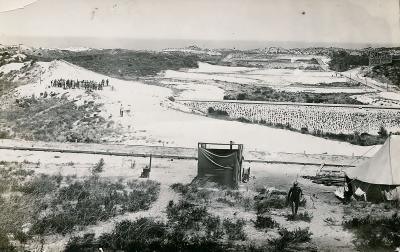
(220, 163)
(378, 177)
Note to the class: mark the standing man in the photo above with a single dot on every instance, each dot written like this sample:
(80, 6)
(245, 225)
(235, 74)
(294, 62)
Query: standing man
(121, 111)
(294, 195)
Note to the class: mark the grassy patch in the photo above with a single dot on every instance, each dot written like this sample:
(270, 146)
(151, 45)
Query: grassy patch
(343, 61)
(40, 185)
(387, 72)
(231, 198)
(11, 175)
(376, 232)
(6, 86)
(54, 119)
(217, 112)
(5, 244)
(264, 201)
(289, 239)
(144, 235)
(40, 205)
(234, 229)
(265, 221)
(189, 228)
(86, 202)
(126, 64)
(303, 216)
(262, 93)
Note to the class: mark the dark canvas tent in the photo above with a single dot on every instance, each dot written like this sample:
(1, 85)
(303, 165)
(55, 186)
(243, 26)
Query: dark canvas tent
(220, 163)
(379, 177)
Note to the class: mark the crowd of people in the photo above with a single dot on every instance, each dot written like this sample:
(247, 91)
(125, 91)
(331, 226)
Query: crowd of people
(77, 84)
(337, 120)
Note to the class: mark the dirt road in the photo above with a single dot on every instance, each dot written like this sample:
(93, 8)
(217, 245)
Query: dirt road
(175, 153)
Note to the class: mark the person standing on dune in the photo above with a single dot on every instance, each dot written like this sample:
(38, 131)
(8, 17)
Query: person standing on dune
(121, 111)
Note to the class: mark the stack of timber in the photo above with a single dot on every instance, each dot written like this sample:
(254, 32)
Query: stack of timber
(328, 177)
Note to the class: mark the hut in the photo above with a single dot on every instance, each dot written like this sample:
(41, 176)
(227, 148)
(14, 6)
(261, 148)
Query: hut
(220, 163)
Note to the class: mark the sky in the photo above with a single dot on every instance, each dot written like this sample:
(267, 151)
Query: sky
(326, 21)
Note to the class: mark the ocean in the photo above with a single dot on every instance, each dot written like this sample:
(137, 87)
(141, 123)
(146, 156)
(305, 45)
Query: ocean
(159, 44)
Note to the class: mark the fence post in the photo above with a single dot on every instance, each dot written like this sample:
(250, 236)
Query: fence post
(150, 162)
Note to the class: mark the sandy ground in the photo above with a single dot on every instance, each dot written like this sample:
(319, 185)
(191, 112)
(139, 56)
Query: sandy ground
(205, 82)
(357, 74)
(380, 99)
(321, 202)
(271, 77)
(148, 119)
(7, 68)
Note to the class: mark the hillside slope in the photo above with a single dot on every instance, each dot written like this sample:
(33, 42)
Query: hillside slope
(149, 120)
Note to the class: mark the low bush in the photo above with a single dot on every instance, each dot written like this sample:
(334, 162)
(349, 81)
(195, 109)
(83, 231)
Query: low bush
(304, 130)
(54, 119)
(186, 214)
(234, 229)
(217, 112)
(242, 119)
(265, 221)
(85, 243)
(303, 216)
(376, 232)
(180, 188)
(98, 167)
(273, 201)
(40, 185)
(192, 193)
(145, 235)
(5, 244)
(86, 202)
(225, 201)
(289, 238)
(241, 96)
(4, 135)
(189, 227)
(12, 175)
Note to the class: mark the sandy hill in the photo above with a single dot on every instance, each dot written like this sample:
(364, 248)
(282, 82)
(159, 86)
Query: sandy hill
(151, 121)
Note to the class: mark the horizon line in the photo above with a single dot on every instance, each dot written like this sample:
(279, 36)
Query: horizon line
(192, 42)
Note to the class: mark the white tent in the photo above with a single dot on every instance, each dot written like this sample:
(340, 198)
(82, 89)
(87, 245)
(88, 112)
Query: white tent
(379, 177)
(383, 168)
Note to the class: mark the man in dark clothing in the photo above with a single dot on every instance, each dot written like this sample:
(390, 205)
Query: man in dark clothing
(294, 195)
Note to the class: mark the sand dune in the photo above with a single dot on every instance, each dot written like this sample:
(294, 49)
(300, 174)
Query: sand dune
(151, 121)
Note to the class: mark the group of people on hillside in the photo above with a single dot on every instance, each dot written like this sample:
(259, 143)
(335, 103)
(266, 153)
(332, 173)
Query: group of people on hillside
(76, 84)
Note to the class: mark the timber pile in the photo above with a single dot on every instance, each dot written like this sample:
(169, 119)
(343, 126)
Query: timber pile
(328, 178)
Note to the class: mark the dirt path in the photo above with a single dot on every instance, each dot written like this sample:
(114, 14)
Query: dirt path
(174, 153)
